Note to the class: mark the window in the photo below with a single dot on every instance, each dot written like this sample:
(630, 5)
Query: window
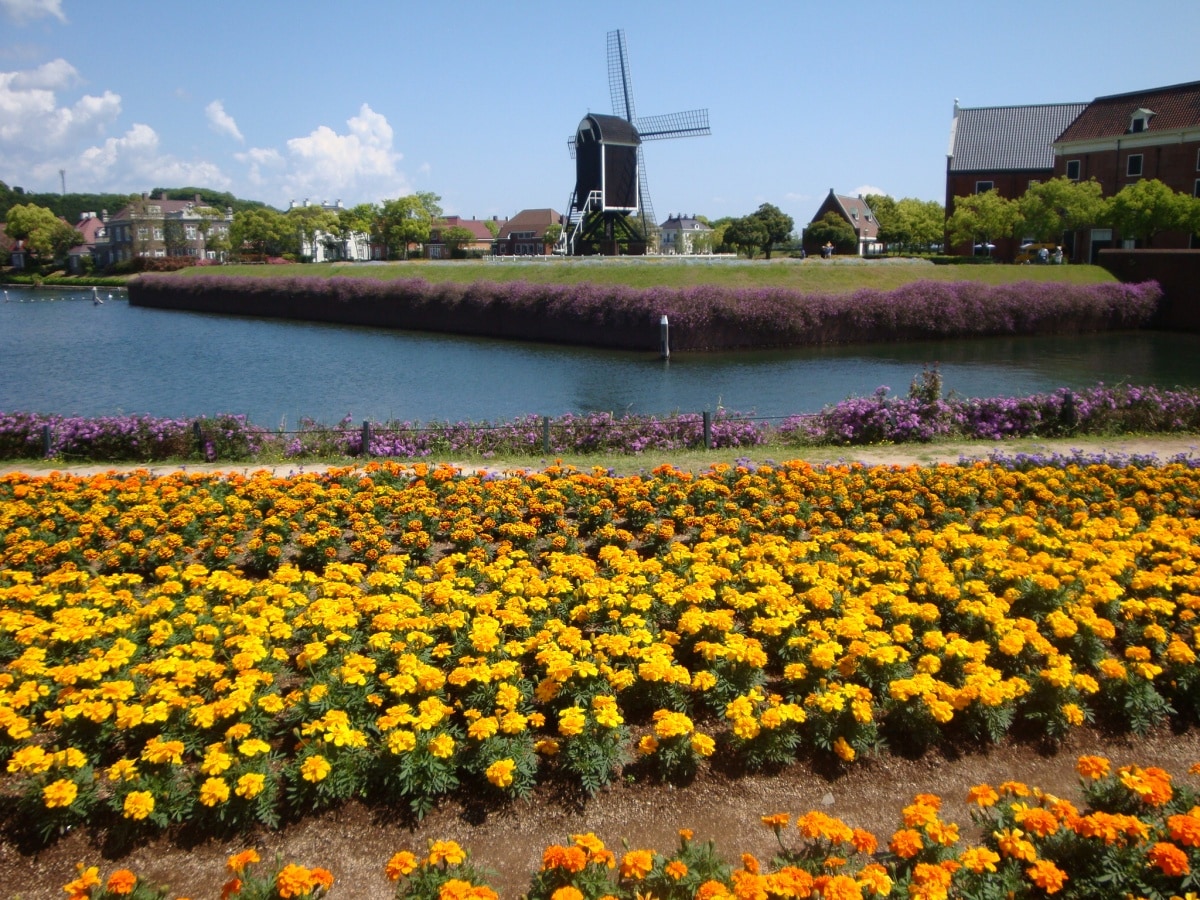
(1196, 188)
(158, 234)
(1073, 169)
(143, 233)
(190, 232)
(982, 187)
(1139, 120)
(1198, 160)
(1133, 165)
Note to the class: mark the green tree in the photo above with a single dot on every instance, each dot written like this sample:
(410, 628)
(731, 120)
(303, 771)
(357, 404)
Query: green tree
(831, 229)
(923, 221)
(892, 232)
(493, 228)
(553, 233)
(982, 218)
(1052, 207)
(455, 238)
(719, 226)
(174, 238)
(404, 221)
(355, 220)
(262, 231)
(776, 224)
(747, 235)
(1147, 207)
(310, 224)
(47, 237)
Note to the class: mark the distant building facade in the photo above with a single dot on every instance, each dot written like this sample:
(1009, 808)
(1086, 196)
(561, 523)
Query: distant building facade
(155, 228)
(525, 233)
(1005, 149)
(1122, 138)
(858, 215)
(436, 247)
(684, 236)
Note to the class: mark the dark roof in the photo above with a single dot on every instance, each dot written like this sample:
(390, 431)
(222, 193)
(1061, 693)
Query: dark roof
(1177, 106)
(684, 223)
(535, 220)
(859, 215)
(611, 129)
(998, 138)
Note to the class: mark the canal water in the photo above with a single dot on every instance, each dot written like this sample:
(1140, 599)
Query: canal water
(61, 353)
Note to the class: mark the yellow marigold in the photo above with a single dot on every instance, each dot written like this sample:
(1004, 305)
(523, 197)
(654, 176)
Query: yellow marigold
(500, 773)
(703, 744)
(874, 879)
(250, 785)
(647, 745)
(571, 721)
(81, 886)
(448, 852)
(138, 805)
(214, 792)
(843, 750)
(315, 768)
(979, 859)
(442, 746)
(60, 793)
(1013, 845)
(982, 795)
(567, 892)
(637, 864)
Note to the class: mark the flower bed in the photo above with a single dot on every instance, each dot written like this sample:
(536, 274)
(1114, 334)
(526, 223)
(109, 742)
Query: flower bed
(225, 651)
(922, 416)
(701, 318)
(1138, 834)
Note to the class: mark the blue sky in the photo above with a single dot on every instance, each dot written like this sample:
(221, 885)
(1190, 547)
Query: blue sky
(363, 101)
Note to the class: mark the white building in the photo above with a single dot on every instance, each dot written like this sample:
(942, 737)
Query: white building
(685, 235)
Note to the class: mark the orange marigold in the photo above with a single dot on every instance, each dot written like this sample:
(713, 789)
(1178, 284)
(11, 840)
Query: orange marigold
(676, 869)
(1046, 875)
(636, 864)
(1185, 829)
(1169, 859)
(293, 881)
(121, 881)
(1093, 767)
(906, 843)
(238, 862)
(401, 864)
(567, 893)
(842, 887)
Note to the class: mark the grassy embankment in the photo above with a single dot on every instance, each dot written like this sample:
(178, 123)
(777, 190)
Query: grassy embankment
(810, 275)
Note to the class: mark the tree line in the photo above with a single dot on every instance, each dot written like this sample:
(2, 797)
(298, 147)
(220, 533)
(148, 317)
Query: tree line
(1141, 210)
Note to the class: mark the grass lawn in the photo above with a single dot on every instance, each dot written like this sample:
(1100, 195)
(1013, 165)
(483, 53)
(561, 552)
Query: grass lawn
(838, 275)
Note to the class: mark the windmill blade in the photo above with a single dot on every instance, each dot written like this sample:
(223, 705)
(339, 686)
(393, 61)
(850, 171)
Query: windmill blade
(646, 207)
(620, 85)
(690, 123)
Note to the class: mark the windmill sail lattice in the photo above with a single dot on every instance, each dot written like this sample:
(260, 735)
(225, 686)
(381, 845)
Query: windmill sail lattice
(594, 224)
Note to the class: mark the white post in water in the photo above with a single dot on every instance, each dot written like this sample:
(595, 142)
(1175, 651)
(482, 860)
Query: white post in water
(664, 343)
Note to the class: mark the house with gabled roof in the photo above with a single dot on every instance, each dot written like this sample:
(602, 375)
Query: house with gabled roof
(1122, 138)
(95, 236)
(1005, 149)
(158, 227)
(436, 248)
(525, 233)
(684, 235)
(857, 214)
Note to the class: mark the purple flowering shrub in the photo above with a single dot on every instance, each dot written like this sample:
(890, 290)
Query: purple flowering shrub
(882, 418)
(705, 317)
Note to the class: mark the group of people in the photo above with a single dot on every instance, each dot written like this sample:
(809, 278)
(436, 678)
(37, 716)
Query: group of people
(1044, 256)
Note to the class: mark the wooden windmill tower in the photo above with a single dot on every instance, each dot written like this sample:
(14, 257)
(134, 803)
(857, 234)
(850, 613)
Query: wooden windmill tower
(610, 210)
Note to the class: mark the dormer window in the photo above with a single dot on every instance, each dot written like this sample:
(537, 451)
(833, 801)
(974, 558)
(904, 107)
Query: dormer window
(1140, 120)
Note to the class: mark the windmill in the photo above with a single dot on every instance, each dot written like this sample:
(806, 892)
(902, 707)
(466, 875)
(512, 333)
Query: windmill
(610, 208)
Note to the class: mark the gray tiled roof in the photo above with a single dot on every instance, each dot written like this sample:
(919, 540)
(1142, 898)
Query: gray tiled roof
(995, 138)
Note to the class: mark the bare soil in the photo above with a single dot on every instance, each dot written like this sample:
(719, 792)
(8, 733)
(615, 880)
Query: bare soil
(355, 841)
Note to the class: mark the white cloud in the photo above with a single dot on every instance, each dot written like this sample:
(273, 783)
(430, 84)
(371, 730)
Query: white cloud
(135, 161)
(22, 11)
(33, 126)
(866, 190)
(362, 162)
(258, 160)
(221, 122)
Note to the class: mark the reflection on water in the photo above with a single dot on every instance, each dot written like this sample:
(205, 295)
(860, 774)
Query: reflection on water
(59, 353)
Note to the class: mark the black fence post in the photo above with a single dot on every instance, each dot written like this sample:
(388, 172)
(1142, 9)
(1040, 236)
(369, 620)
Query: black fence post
(366, 439)
(707, 430)
(47, 442)
(546, 434)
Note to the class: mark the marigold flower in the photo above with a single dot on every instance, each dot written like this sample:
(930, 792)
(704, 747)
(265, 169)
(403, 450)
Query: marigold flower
(776, 821)
(138, 805)
(1046, 875)
(979, 859)
(1094, 767)
(294, 881)
(214, 792)
(250, 785)
(676, 869)
(315, 768)
(401, 864)
(1169, 859)
(448, 852)
(60, 793)
(1185, 829)
(841, 887)
(442, 746)
(982, 795)
(500, 773)
(637, 864)
(906, 843)
(238, 862)
(570, 859)
(122, 881)
(567, 892)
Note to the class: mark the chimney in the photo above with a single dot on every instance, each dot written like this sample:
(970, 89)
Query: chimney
(198, 200)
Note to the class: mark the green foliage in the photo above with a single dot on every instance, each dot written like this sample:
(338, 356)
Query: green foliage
(261, 232)
(47, 237)
(776, 225)
(982, 218)
(1052, 207)
(833, 229)
(1147, 207)
(747, 235)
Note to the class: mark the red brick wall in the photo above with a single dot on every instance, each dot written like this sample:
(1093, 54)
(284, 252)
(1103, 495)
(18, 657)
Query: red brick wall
(1176, 271)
